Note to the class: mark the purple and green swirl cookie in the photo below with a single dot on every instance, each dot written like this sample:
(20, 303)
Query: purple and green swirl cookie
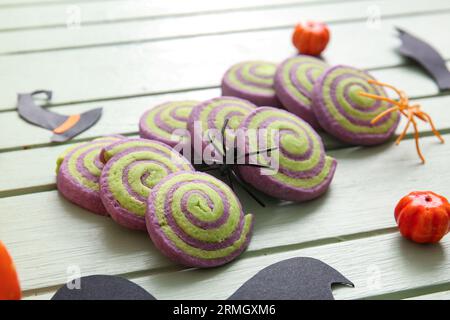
(197, 220)
(303, 170)
(294, 82)
(78, 170)
(253, 81)
(133, 167)
(345, 114)
(209, 117)
(166, 121)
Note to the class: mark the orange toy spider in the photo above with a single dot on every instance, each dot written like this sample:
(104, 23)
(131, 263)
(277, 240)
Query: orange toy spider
(409, 111)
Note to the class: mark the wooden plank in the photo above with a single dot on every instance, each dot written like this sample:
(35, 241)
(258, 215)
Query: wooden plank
(46, 234)
(377, 266)
(27, 176)
(122, 116)
(148, 71)
(284, 17)
(57, 14)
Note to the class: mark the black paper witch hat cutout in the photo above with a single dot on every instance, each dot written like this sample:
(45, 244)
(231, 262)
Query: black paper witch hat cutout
(64, 127)
(291, 279)
(426, 56)
(103, 287)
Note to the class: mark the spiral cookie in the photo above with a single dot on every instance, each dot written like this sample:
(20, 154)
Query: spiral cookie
(253, 81)
(294, 81)
(210, 116)
(344, 113)
(196, 220)
(110, 138)
(161, 122)
(133, 168)
(304, 170)
(61, 157)
(78, 171)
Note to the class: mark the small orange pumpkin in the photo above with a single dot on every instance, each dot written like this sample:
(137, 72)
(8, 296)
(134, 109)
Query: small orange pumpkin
(9, 281)
(423, 216)
(311, 37)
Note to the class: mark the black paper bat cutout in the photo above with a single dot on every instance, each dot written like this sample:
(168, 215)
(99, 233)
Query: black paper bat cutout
(64, 127)
(426, 56)
(102, 287)
(291, 279)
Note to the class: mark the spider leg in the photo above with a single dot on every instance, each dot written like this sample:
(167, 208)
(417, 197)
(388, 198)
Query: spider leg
(402, 135)
(416, 138)
(222, 131)
(419, 113)
(224, 127)
(259, 151)
(256, 152)
(433, 128)
(404, 113)
(399, 92)
(242, 184)
(374, 96)
(220, 150)
(230, 180)
(381, 115)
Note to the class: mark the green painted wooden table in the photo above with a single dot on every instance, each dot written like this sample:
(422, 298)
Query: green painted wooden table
(127, 56)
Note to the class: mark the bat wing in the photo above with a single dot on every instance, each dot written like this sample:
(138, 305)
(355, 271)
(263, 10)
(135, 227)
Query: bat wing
(293, 279)
(102, 287)
(426, 56)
